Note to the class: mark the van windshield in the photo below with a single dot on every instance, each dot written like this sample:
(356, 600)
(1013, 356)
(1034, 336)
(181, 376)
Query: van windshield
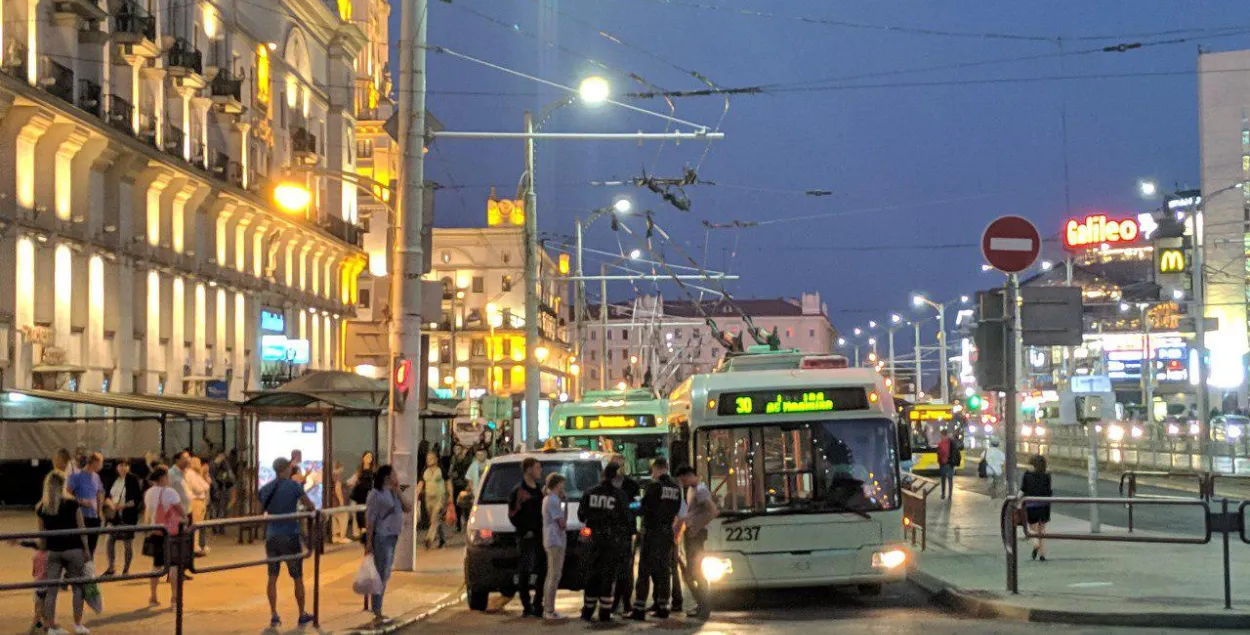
(502, 478)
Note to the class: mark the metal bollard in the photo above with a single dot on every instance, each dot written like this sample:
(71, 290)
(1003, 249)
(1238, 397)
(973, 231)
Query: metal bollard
(317, 535)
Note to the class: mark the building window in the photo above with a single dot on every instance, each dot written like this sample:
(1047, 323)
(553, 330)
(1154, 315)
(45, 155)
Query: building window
(507, 283)
(479, 284)
(506, 349)
(364, 148)
(593, 356)
(609, 355)
(811, 333)
(1245, 163)
(477, 377)
(594, 374)
(1245, 137)
(609, 335)
(624, 335)
(478, 348)
(695, 334)
(594, 335)
(362, 298)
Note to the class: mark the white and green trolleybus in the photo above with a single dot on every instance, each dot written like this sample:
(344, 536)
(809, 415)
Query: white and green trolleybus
(631, 422)
(804, 465)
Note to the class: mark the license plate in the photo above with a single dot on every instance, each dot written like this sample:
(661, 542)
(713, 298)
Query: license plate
(742, 534)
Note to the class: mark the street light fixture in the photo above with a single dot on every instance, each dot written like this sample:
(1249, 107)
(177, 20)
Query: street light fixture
(895, 318)
(1147, 188)
(635, 254)
(623, 205)
(919, 301)
(858, 331)
(594, 90)
(292, 197)
(872, 324)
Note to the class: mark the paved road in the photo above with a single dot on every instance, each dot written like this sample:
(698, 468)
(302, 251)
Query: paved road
(901, 609)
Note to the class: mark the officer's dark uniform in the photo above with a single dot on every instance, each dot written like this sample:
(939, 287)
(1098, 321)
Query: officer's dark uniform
(605, 510)
(660, 504)
(625, 573)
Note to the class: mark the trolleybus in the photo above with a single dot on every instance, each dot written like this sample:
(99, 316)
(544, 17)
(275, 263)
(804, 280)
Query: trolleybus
(804, 465)
(927, 422)
(632, 423)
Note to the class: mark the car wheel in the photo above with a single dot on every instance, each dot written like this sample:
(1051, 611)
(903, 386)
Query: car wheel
(870, 589)
(478, 600)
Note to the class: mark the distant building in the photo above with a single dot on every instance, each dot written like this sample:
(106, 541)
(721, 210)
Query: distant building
(673, 340)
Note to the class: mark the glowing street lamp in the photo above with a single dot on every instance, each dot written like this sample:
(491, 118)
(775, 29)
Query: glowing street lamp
(623, 205)
(1147, 188)
(292, 197)
(594, 90)
(635, 254)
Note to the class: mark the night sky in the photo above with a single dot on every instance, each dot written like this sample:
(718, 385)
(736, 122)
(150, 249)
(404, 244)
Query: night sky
(908, 118)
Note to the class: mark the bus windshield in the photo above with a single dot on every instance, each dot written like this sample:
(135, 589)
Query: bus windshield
(818, 466)
(638, 449)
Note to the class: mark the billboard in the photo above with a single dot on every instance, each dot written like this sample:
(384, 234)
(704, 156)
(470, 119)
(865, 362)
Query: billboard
(279, 438)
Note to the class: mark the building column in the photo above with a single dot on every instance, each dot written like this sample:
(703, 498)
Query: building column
(314, 342)
(327, 343)
(152, 222)
(124, 337)
(152, 334)
(177, 337)
(97, 361)
(199, 333)
(63, 281)
(244, 372)
(24, 311)
(220, 313)
(63, 174)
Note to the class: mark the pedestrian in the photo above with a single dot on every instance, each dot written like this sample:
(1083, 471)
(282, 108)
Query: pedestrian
(437, 491)
(1037, 483)
(222, 481)
(384, 514)
(198, 487)
(161, 506)
(474, 474)
(526, 513)
(361, 484)
(282, 537)
(948, 460)
(62, 461)
(142, 469)
(67, 555)
(297, 466)
(701, 510)
(604, 511)
(661, 503)
(337, 499)
(555, 541)
(625, 581)
(177, 478)
(122, 506)
(995, 460)
(80, 458)
(460, 463)
(88, 491)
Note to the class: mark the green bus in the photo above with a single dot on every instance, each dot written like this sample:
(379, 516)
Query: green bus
(631, 422)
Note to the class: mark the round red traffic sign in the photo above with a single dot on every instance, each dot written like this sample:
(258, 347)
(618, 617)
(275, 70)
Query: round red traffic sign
(1011, 244)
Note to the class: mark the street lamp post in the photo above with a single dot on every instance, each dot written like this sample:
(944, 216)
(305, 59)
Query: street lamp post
(895, 322)
(916, 385)
(919, 300)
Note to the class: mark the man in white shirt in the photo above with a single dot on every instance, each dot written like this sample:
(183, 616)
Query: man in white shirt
(995, 459)
(177, 478)
(700, 511)
(474, 474)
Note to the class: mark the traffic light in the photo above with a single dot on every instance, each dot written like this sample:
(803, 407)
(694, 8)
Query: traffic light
(974, 403)
(402, 377)
(990, 337)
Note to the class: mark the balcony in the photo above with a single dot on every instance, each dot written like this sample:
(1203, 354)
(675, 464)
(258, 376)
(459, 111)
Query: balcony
(303, 146)
(120, 114)
(220, 165)
(147, 129)
(90, 96)
(57, 79)
(134, 31)
(343, 230)
(185, 65)
(227, 93)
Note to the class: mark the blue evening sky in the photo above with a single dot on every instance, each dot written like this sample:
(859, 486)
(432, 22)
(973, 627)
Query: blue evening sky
(911, 130)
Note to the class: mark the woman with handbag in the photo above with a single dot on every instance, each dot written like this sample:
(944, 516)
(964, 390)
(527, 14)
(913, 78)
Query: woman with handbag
(384, 514)
(162, 506)
(66, 554)
(438, 494)
(122, 502)
(1037, 483)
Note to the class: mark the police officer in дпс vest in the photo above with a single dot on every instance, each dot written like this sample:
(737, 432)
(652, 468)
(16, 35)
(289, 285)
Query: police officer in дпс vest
(605, 511)
(661, 503)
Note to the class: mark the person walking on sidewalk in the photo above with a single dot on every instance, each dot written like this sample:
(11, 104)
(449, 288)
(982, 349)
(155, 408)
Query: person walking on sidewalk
(625, 579)
(701, 510)
(125, 497)
(995, 460)
(1037, 483)
(88, 490)
(437, 491)
(161, 506)
(384, 519)
(67, 555)
(282, 538)
(526, 513)
(555, 541)
(948, 460)
(361, 483)
(198, 488)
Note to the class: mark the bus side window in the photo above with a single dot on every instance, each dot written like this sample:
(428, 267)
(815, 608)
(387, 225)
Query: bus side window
(680, 442)
(904, 440)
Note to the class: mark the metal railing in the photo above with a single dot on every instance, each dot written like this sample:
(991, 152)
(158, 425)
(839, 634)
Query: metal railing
(1128, 487)
(1221, 521)
(223, 85)
(916, 492)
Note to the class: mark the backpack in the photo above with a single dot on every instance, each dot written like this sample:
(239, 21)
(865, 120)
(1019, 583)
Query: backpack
(983, 468)
(167, 515)
(955, 457)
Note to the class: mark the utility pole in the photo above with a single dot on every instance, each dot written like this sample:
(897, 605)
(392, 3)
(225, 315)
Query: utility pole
(1200, 328)
(917, 383)
(579, 307)
(1147, 367)
(603, 331)
(408, 257)
(533, 376)
(945, 363)
(893, 376)
(1011, 403)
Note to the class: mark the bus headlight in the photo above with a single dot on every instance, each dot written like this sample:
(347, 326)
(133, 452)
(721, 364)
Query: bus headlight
(715, 569)
(891, 559)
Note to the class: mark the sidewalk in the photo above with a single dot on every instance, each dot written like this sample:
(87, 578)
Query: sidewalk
(1098, 583)
(234, 601)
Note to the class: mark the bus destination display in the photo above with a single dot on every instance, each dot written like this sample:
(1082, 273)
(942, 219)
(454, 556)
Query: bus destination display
(778, 402)
(610, 422)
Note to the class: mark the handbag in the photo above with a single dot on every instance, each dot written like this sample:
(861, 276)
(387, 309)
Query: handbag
(151, 545)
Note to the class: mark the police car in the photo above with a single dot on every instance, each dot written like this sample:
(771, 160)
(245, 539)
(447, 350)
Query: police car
(490, 559)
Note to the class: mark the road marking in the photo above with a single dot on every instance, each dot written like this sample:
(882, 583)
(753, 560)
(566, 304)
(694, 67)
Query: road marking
(1089, 585)
(1011, 244)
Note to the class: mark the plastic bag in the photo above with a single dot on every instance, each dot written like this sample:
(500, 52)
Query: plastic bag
(39, 565)
(91, 590)
(367, 581)
(449, 516)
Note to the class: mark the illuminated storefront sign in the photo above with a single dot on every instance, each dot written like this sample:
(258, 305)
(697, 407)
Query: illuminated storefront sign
(1170, 364)
(940, 413)
(272, 321)
(775, 402)
(1172, 261)
(608, 422)
(1097, 229)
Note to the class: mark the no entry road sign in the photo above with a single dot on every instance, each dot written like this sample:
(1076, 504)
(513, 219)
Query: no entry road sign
(1011, 244)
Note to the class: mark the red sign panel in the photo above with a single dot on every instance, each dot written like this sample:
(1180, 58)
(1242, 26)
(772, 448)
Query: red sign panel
(1011, 244)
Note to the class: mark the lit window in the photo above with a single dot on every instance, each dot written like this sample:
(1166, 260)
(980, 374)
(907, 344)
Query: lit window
(1245, 137)
(1245, 163)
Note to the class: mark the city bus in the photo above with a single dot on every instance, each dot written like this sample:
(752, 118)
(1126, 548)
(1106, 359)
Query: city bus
(926, 422)
(804, 465)
(632, 423)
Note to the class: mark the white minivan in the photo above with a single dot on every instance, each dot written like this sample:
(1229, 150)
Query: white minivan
(491, 559)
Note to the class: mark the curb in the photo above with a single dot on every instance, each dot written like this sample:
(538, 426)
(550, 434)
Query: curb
(447, 601)
(976, 606)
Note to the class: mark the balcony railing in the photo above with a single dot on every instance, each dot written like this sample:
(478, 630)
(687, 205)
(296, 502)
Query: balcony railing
(303, 141)
(147, 129)
(220, 165)
(343, 230)
(132, 19)
(173, 140)
(59, 80)
(89, 96)
(183, 55)
(120, 113)
(226, 86)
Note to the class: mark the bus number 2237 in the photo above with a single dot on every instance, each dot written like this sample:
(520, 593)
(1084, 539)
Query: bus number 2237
(742, 534)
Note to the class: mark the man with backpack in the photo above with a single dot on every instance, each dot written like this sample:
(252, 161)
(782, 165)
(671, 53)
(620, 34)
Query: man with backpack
(949, 458)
